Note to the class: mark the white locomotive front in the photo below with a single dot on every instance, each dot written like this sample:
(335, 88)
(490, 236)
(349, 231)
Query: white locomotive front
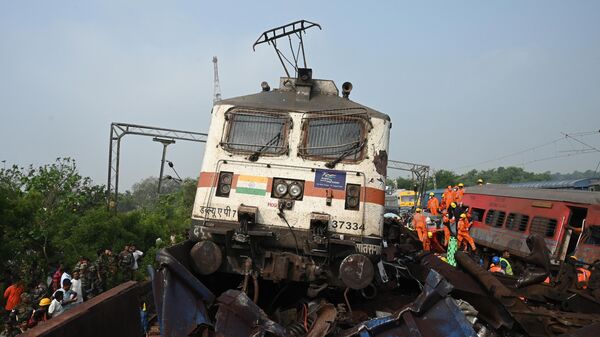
(292, 185)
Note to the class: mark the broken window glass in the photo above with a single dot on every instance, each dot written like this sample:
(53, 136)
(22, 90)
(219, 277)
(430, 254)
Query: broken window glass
(251, 132)
(329, 137)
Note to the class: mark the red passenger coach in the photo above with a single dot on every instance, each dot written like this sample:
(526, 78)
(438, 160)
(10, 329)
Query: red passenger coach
(568, 220)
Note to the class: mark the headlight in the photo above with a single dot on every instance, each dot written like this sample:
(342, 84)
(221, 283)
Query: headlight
(225, 189)
(352, 202)
(281, 189)
(295, 190)
(224, 184)
(353, 197)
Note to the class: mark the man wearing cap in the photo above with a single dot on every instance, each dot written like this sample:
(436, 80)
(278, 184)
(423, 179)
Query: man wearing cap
(460, 192)
(433, 204)
(463, 232)
(420, 225)
(449, 194)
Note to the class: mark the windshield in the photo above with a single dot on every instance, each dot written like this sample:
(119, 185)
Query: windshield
(333, 138)
(407, 198)
(251, 132)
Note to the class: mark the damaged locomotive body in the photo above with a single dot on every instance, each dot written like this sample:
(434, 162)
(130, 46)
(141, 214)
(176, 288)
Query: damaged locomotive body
(292, 186)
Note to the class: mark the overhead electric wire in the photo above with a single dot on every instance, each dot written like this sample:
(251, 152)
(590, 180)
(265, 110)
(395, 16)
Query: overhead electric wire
(511, 154)
(566, 136)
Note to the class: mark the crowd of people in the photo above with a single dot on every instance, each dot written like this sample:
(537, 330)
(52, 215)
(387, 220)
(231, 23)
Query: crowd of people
(26, 306)
(453, 217)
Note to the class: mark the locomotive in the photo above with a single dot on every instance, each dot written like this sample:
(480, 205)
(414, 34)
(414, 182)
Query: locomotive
(292, 185)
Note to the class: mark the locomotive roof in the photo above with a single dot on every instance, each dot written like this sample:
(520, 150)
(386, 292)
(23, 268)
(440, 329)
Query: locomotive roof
(574, 196)
(324, 97)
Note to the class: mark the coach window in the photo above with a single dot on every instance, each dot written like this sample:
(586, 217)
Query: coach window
(258, 133)
(477, 214)
(489, 216)
(543, 226)
(592, 236)
(333, 138)
(517, 222)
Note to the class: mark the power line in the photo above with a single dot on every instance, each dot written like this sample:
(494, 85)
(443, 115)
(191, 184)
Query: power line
(511, 154)
(566, 136)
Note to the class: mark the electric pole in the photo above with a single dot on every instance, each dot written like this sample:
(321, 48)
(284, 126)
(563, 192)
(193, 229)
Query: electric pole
(217, 86)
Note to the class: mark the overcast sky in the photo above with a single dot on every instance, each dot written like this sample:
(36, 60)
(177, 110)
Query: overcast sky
(465, 82)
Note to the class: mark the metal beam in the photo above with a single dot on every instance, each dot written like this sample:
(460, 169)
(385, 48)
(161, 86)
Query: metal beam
(420, 173)
(118, 131)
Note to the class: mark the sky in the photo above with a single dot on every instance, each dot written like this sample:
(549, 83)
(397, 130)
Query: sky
(468, 84)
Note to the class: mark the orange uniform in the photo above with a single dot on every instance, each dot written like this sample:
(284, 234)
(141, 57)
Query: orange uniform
(433, 204)
(449, 197)
(12, 295)
(420, 225)
(496, 269)
(583, 276)
(458, 196)
(463, 233)
(446, 220)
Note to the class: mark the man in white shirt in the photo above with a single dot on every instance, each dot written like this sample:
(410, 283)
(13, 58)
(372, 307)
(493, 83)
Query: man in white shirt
(76, 286)
(55, 309)
(65, 275)
(136, 255)
(68, 295)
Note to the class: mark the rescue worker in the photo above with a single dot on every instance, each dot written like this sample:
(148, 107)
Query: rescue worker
(495, 266)
(505, 264)
(479, 182)
(446, 226)
(40, 314)
(583, 277)
(427, 242)
(460, 192)
(433, 204)
(420, 225)
(463, 232)
(443, 204)
(449, 197)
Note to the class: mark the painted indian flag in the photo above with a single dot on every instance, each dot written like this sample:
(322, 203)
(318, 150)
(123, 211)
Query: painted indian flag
(252, 185)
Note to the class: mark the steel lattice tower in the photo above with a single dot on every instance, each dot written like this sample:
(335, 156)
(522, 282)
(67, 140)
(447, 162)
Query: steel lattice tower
(217, 86)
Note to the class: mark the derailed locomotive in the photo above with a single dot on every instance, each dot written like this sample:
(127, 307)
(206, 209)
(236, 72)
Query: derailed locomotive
(292, 185)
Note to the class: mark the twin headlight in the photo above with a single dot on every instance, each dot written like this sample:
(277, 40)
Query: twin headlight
(287, 188)
(224, 184)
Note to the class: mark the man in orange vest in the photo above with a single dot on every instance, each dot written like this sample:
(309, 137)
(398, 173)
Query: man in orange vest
(446, 226)
(458, 196)
(583, 276)
(495, 266)
(420, 225)
(463, 232)
(433, 204)
(449, 196)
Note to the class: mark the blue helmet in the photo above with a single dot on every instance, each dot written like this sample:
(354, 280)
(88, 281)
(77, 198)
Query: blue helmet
(495, 260)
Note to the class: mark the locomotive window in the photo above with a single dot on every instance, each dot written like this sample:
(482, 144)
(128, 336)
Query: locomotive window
(517, 221)
(407, 198)
(331, 137)
(251, 132)
(543, 226)
(478, 214)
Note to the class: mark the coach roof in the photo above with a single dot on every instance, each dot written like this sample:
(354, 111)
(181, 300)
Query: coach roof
(574, 196)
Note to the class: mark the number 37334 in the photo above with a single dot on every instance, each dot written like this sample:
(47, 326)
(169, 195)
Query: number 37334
(335, 224)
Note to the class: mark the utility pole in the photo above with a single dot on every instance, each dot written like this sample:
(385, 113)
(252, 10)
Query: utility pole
(165, 143)
(217, 86)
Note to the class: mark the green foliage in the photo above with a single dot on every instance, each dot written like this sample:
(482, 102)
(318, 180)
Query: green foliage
(52, 214)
